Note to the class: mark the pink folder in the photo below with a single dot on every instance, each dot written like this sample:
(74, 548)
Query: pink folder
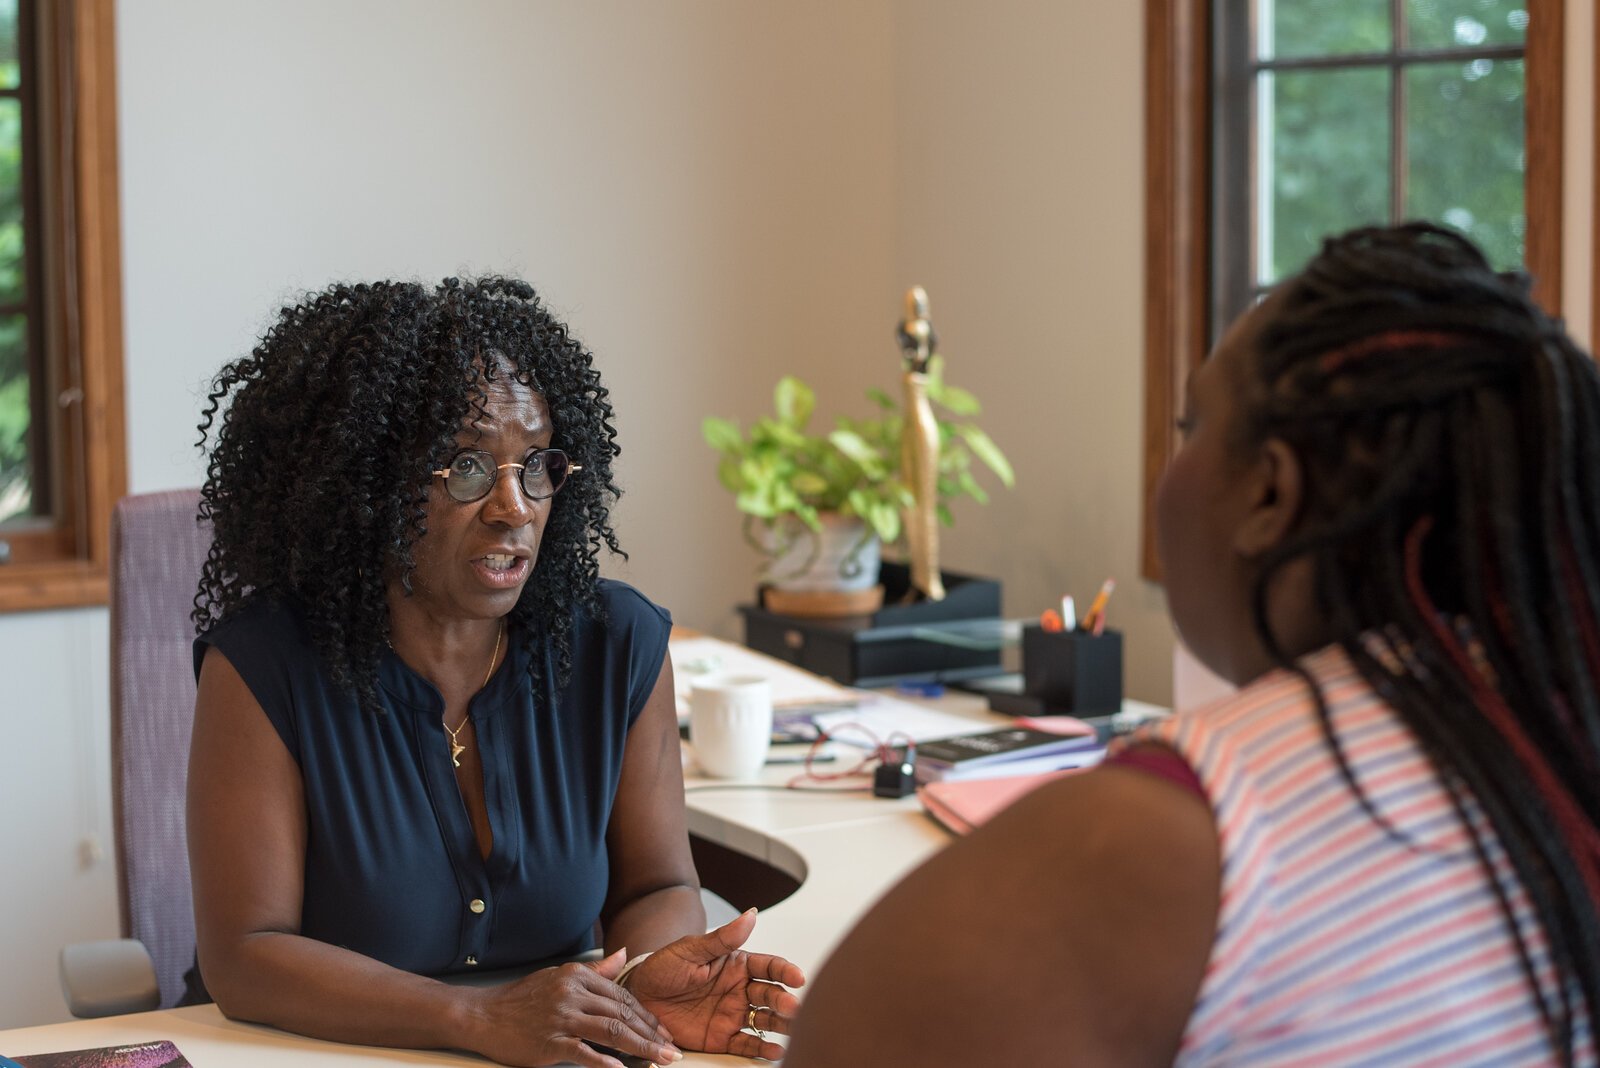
(965, 804)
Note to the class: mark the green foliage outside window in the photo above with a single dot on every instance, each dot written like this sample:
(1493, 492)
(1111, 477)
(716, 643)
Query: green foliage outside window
(1330, 134)
(16, 464)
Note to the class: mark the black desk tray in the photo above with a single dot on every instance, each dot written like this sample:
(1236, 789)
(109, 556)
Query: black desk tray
(897, 643)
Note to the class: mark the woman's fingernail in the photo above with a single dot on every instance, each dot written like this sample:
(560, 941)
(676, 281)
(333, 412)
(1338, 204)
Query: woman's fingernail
(670, 1055)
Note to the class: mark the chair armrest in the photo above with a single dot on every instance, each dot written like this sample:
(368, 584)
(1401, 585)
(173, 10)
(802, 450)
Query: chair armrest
(108, 978)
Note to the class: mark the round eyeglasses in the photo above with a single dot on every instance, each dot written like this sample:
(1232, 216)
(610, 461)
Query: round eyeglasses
(472, 474)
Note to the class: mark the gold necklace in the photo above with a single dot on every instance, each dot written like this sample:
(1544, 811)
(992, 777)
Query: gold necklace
(456, 748)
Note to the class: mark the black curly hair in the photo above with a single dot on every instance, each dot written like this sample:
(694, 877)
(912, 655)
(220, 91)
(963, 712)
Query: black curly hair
(325, 437)
(1450, 434)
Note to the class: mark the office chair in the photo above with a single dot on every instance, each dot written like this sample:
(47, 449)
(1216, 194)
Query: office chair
(157, 548)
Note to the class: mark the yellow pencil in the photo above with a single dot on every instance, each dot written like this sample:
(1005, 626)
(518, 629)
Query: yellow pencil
(1094, 620)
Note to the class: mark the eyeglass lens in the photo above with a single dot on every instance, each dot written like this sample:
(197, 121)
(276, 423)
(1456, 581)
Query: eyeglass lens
(471, 475)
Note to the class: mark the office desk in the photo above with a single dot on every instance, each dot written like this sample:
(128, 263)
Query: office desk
(845, 849)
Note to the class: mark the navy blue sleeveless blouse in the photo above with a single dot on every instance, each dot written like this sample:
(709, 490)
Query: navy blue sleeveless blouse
(392, 868)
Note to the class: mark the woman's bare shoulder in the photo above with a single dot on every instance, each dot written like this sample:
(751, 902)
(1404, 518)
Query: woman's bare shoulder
(1078, 922)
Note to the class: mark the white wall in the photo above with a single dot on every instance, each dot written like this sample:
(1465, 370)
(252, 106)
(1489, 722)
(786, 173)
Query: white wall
(55, 803)
(703, 190)
(713, 192)
(1020, 209)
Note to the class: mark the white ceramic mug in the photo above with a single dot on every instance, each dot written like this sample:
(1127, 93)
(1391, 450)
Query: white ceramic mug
(730, 724)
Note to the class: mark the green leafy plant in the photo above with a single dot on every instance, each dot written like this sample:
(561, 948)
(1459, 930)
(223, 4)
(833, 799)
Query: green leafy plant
(781, 471)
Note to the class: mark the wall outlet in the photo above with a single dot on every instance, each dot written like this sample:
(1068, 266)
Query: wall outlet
(90, 851)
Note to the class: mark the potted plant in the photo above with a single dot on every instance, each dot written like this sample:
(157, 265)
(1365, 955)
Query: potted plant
(818, 505)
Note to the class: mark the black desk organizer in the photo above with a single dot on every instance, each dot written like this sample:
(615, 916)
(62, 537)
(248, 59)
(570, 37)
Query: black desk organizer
(1074, 672)
(882, 649)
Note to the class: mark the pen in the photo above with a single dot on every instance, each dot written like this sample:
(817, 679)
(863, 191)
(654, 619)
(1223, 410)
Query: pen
(1069, 613)
(1094, 620)
(1050, 622)
(824, 757)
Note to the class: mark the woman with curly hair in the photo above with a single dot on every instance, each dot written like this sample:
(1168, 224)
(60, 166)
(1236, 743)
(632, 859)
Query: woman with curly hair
(1384, 524)
(430, 740)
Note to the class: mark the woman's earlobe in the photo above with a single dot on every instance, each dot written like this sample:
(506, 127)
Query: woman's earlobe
(1277, 495)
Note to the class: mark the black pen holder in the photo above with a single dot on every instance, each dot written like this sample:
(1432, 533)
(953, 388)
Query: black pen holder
(1073, 671)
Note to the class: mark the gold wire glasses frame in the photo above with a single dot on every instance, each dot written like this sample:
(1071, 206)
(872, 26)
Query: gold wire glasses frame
(476, 482)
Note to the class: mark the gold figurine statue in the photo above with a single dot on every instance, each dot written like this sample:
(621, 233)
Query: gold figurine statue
(919, 448)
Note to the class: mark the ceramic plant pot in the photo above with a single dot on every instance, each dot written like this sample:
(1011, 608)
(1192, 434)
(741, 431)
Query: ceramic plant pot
(831, 573)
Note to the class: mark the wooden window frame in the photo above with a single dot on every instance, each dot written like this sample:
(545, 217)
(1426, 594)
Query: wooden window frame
(67, 564)
(1178, 242)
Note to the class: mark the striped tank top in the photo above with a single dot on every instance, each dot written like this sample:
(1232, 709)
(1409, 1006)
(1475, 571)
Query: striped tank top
(1337, 944)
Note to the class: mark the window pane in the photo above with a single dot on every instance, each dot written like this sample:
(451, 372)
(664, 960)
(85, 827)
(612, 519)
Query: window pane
(8, 44)
(1295, 28)
(1466, 23)
(16, 459)
(12, 273)
(1464, 137)
(1325, 136)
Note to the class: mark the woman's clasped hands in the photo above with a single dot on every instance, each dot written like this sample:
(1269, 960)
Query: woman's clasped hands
(551, 1016)
(701, 992)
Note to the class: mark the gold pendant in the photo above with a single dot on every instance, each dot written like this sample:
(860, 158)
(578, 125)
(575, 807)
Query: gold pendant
(456, 749)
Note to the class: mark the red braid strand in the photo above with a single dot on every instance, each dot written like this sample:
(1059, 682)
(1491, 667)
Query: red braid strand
(1574, 824)
(1391, 340)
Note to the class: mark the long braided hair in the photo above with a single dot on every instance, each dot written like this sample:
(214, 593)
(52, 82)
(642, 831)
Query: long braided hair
(322, 443)
(1450, 434)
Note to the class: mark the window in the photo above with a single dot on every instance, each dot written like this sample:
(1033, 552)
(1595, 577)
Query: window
(24, 435)
(61, 422)
(1332, 113)
(1271, 123)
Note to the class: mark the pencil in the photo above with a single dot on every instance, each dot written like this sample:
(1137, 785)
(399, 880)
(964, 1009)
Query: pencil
(1094, 620)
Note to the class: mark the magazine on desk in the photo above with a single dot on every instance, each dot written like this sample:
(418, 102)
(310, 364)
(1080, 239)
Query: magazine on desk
(137, 1055)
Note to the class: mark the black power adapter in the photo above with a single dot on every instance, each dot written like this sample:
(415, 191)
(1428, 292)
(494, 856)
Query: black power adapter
(895, 776)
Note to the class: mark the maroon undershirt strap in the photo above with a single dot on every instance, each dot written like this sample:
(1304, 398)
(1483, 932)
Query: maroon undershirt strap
(1159, 760)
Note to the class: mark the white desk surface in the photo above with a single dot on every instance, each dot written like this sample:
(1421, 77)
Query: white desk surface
(846, 849)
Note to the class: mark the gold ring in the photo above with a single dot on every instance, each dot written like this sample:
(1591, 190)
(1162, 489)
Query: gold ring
(750, 1019)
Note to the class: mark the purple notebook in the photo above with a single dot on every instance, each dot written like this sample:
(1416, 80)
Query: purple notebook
(138, 1055)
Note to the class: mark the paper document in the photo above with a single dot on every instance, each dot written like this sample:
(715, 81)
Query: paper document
(694, 658)
(887, 716)
(884, 716)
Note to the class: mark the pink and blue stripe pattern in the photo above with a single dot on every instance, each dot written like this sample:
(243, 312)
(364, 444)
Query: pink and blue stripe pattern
(1337, 943)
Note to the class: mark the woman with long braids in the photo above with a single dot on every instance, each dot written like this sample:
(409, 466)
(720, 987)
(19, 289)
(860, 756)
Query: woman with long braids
(429, 739)
(1384, 525)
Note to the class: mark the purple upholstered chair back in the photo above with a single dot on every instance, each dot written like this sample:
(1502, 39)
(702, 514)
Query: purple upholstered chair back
(157, 548)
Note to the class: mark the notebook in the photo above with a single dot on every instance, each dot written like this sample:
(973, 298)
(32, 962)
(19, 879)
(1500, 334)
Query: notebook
(1006, 752)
